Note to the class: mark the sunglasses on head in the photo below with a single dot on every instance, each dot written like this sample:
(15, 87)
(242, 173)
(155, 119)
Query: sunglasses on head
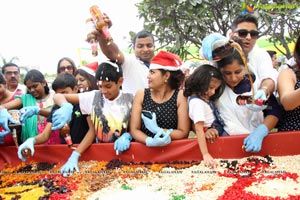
(243, 33)
(63, 68)
(222, 51)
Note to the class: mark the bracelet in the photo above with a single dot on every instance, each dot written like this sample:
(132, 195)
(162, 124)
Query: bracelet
(266, 91)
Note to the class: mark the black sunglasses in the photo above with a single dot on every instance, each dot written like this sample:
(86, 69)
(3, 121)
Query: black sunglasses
(243, 33)
(63, 68)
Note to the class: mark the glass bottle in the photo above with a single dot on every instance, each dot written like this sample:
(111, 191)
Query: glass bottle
(245, 99)
(91, 38)
(101, 25)
(65, 132)
(26, 153)
(16, 127)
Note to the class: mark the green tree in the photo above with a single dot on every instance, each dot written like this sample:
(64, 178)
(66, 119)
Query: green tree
(181, 24)
(5, 60)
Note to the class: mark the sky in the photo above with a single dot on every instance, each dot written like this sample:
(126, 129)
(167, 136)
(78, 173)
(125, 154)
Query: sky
(40, 32)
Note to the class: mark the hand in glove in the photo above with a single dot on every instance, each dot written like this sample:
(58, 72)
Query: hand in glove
(151, 124)
(28, 112)
(254, 140)
(208, 44)
(159, 141)
(261, 95)
(4, 118)
(71, 164)
(62, 116)
(123, 142)
(29, 143)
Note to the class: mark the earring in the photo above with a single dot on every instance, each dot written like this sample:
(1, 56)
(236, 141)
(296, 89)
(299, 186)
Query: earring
(166, 80)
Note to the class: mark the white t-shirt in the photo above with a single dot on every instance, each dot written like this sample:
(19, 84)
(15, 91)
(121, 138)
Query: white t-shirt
(260, 63)
(135, 74)
(108, 116)
(238, 119)
(200, 111)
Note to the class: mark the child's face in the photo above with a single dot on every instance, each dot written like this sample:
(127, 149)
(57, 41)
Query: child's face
(233, 73)
(66, 90)
(36, 89)
(82, 82)
(214, 84)
(109, 89)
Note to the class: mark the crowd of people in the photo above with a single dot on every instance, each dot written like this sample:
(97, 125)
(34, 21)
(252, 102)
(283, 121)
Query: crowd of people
(147, 98)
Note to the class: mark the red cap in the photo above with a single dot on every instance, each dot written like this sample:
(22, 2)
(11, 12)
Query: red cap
(90, 68)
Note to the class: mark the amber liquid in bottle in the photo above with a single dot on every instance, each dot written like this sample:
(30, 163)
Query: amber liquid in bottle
(101, 25)
(26, 153)
(65, 132)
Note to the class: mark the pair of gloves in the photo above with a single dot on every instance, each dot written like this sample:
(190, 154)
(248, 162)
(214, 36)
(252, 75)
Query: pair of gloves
(66, 169)
(161, 137)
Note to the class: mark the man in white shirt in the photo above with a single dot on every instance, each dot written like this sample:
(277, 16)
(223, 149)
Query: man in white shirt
(245, 28)
(135, 67)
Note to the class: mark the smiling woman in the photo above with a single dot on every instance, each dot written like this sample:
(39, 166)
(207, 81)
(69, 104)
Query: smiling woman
(43, 32)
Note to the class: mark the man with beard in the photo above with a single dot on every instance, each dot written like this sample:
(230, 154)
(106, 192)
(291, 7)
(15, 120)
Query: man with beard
(11, 72)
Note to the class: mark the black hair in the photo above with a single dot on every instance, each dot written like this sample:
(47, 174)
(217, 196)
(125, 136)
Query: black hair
(70, 61)
(244, 18)
(142, 34)
(176, 78)
(229, 59)
(198, 82)
(90, 79)
(2, 79)
(109, 71)
(36, 76)
(296, 55)
(9, 65)
(63, 81)
(271, 53)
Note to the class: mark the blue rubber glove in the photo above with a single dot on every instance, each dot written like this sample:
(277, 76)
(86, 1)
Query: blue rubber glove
(123, 142)
(208, 43)
(62, 116)
(254, 140)
(29, 143)
(28, 112)
(159, 141)
(259, 94)
(5, 117)
(71, 164)
(151, 124)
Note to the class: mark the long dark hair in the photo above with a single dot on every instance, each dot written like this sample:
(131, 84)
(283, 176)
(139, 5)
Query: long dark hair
(70, 61)
(36, 76)
(296, 67)
(90, 79)
(176, 78)
(198, 82)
